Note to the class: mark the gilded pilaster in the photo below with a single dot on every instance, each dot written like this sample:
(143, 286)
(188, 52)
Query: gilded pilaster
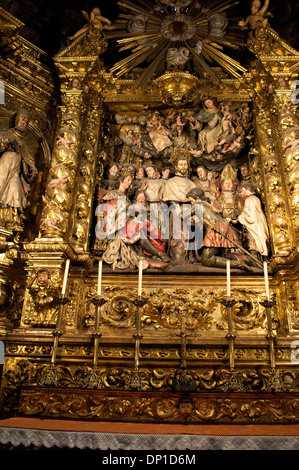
(277, 131)
(287, 134)
(90, 165)
(69, 192)
(268, 171)
(66, 215)
(58, 199)
(276, 123)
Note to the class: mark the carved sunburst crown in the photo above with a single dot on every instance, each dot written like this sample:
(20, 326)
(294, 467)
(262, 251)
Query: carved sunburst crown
(177, 35)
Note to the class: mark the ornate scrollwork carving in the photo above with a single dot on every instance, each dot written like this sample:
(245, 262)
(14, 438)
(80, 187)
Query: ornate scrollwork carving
(118, 311)
(206, 407)
(170, 309)
(178, 311)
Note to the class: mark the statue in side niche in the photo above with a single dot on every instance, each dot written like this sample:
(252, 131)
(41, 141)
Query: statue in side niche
(17, 166)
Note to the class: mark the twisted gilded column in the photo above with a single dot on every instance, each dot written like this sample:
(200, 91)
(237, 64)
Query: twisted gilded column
(87, 171)
(67, 201)
(268, 171)
(271, 82)
(58, 198)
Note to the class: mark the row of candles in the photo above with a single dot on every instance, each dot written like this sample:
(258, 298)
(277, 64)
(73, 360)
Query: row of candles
(100, 273)
(139, 302)
(230, 336)
(228, 283)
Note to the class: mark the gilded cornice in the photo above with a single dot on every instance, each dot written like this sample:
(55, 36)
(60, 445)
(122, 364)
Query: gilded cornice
(274, 53)
(8, 22)
(56, 247)
(122, 90)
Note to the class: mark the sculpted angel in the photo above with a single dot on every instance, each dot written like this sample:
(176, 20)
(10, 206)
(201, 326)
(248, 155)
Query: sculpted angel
(95, 20)
(257, 16)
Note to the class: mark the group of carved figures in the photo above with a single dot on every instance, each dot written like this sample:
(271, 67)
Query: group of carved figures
(143, 203)
(234, 224)
(162, 162)
(214, 135)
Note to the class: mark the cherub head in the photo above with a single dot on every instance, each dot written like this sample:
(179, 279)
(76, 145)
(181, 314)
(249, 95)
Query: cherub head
(255, 6)
(75, 83)
(42, 277)
(185, 407)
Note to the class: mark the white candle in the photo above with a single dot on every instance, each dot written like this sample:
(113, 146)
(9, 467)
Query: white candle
(266, 280)
(228, 278)
(140, 279)
(66, 273)
(100, 278)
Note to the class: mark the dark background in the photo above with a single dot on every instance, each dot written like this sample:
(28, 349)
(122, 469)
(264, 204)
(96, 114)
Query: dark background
(48, 23)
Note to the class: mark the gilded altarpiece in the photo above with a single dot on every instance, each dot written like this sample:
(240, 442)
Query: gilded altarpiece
(182, 351)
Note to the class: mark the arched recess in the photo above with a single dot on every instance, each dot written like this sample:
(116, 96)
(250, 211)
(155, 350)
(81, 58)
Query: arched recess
(40, 149)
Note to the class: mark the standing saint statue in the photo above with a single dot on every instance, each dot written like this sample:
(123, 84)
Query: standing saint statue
(17, 166)
(175, 196)
(177, 187)
(253, 218)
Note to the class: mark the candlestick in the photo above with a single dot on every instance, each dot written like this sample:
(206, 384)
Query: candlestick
(228, 278)
(266, 280)
(94, 380)
(230, 336)
(100, 278)
(66, 272)
(271, 337)
(140, 279)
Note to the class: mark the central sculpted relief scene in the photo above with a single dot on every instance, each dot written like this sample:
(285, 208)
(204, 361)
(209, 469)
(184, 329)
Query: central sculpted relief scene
(176, 190)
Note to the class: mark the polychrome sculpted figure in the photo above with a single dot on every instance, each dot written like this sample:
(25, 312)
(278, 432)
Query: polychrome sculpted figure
(175, 195)
(253, 218)
(113, 177)
(131, 236)
(153, 185)
(177, 187)
(257, 16)
(158, 133)
(228, 203)
(245, 177)
(95, 20)
(219, 238)
(210, 115)
(17, 166)
(202, 181)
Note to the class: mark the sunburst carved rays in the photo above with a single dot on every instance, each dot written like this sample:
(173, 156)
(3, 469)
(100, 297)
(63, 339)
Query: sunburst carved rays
(176, 34)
